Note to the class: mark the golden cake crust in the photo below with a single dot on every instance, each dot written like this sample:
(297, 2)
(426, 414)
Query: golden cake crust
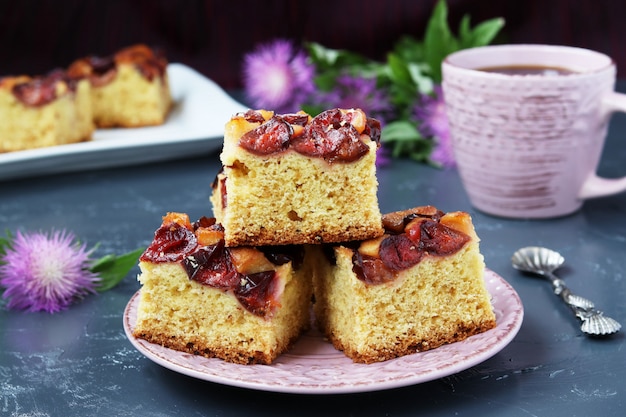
(440, 300)
(37, 112)
(190, 317)
(197, 303)
(292, 198)
(129, 89)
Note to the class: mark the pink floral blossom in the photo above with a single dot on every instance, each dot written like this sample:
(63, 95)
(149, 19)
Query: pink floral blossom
(278, 77)
(41, 272)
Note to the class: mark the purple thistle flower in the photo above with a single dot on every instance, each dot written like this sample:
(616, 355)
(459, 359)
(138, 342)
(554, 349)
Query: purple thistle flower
(278, 77)
(354, 92)
(43, 272)
(431, 113)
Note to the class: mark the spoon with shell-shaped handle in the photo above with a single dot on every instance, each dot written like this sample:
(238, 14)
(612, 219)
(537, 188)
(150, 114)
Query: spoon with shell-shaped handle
(543, 262)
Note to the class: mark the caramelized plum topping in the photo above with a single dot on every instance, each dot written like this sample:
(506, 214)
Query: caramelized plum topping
(350, 146)
(371, 247)
(200, 249)
(280, 255)
(58, 74)
(300, 119)
(398, 252)
(181, 219)
(396, 222)
(253, 116)
(40, 91)
(271, 137)
(100, 70)
(335, 135)
(373, 129)
(297, 121)
(249, 260)
(151, 68)
(171, 243)
(150, 63)
(371, 270)
(212, 266)
(208, 235)
(224, 192)
(418, 233)
(436, 238)
(256, 292)
(331, 136)
(207, 222)
(101, 65)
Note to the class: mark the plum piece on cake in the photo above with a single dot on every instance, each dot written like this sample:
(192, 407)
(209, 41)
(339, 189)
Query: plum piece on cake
(37, 112)
(243, 305)
(417, 287)
(297, 179)
(129, 88)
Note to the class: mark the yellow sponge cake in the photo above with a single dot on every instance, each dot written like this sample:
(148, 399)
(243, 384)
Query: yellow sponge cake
(129, 89)
(243, 305)
(37, 112)
(294, 179)
(416, 288)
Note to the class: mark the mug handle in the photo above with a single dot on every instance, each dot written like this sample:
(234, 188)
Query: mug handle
(596, 186)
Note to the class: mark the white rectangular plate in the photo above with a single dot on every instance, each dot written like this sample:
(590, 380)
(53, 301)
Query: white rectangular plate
(195, 126)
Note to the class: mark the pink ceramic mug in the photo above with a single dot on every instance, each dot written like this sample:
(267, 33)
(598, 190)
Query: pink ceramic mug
(528, 146)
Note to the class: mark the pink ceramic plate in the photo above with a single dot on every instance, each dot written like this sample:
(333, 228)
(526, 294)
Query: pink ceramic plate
(313, 366)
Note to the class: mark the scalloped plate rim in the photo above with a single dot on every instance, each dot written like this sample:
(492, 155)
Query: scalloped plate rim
(449, 359)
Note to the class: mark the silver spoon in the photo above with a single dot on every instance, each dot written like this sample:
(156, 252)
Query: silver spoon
(544, 262)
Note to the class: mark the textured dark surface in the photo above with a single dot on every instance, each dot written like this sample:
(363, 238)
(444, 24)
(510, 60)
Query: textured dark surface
(79, 362)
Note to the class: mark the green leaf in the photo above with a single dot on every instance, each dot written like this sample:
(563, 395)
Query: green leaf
(327, 58)
(312, 109)
(405, 82)
(438, 40)
(483, 34)
(412, 68)
(465, 32)
(424, 84)
(409, 49)
(326, 80)
(5, 243)
(322, 55)
(400, 130)
(398, 70)
(113, 269)
(406, 140)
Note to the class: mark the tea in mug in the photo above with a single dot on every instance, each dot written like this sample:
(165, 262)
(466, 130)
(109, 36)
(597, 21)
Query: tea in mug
(528, 70)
